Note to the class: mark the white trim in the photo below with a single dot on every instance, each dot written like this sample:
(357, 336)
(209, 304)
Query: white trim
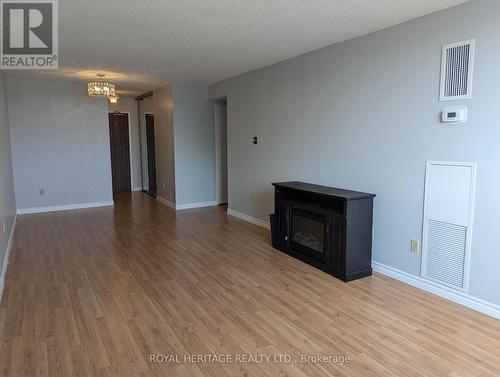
(451, 294)
(470, 76)
(468, 246)
(7, 256)
(179, 207)
(165, 202)
(248, 218)
(217, 154)
(196, 205)
(129, 145)
(138, 188)
(66, 207)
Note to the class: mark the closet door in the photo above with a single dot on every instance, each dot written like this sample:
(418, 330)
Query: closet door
(447, 227)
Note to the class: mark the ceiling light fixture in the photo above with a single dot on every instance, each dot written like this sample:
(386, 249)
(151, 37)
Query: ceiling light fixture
(101, 89)
(113, 99)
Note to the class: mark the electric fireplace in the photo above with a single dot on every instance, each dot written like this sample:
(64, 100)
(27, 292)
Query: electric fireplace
(308, 232)
(326, 227)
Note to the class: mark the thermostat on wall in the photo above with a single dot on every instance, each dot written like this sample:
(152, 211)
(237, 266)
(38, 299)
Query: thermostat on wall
(454, 114)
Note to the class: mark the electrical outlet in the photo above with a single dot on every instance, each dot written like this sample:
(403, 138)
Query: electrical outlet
(41, 191)
(414, 245)
(254, 199)
(3, 226)
(163, 186)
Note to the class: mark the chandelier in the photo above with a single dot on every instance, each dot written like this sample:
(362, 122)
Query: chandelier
(113, 99)
(101, 89)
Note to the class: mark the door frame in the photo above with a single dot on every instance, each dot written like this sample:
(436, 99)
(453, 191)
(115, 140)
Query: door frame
(129, 145)
(146, 155)
(143, 153)
(217, 153)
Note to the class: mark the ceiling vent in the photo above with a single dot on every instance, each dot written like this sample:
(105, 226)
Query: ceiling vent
(456, 70)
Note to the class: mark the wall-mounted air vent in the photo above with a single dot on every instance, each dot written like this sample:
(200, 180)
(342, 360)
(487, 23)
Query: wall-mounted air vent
(447, 228)
(456, 70)
(445, 252)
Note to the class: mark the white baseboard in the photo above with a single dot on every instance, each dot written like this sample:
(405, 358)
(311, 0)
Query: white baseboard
(248, 218)
(439, 290)
(178, 207)
(165, 202)
(196, 205)
(137, 189)
(66, 207)
(7, 255)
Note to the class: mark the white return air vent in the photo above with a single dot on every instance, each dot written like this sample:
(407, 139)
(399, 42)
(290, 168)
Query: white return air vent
(456, 70)
(447, 228)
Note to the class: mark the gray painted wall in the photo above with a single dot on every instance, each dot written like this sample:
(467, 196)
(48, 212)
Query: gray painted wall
(164, 143)
(129, 105)
(364, 114)
(7, 198)
(60, 142)
(185, 143)
(194, 145)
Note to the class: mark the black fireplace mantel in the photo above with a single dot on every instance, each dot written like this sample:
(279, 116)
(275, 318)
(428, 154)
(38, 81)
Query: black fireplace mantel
(329, 228)
(325, 191)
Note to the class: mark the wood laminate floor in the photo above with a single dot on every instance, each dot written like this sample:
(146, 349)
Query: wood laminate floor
(95, 292)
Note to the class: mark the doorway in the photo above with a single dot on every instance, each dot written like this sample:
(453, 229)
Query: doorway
(119, 139)
(221, 152)
(151, 155)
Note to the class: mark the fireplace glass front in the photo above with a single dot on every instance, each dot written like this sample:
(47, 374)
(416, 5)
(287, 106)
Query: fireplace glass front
(308, 231)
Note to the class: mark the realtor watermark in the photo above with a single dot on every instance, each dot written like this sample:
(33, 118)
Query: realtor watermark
(29, 34)
(223, 358)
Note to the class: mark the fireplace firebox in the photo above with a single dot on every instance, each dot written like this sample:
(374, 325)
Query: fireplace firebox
(326, 227)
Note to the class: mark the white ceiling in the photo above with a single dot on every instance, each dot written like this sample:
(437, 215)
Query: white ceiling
(144, 44)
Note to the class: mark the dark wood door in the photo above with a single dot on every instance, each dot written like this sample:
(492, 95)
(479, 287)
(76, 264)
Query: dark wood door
(120, 151)
(150, 140)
